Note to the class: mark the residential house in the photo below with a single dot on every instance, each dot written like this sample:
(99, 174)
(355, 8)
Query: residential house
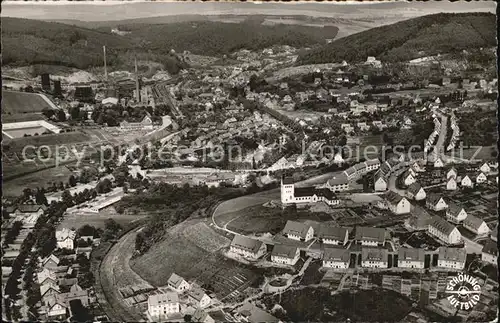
(178, 283)
(199, 298)
(372, 164)
(374, 258)
(438, 163)
(363, 126)
(164, 304)
(283, 254)
(380, 182)
(333, 235)
(452, 173)
(416, 192)
(65, 239)
(444, 231)
(368, 236)
(201, 316)
(417, 166)
(408, 178)
(451, 184)
(411, 258)
(481, 178)
(466, 181)
(76, 293)
(56, 308)
(435, 202)
(338, 183)
(476, 225)
(485, 168)
(252, 314)
(490, 252)
(298, 231)
(49, 289)
(25, 210)
(248, 247)
(451, 258)
(397, 203)
(455, 213)
(51, 262)
(46, 277)
(336, 258)
(347, 128)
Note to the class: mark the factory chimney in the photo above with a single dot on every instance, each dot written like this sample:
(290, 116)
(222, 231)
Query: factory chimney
(105, 67)
(138, 93)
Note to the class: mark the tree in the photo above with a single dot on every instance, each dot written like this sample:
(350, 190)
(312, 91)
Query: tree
(67, 199)
(40, 197)
(61, 116)
(72, 181)
(104, 186)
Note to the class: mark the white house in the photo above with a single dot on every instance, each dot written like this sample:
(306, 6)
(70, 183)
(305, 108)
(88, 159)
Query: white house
(336, 258)
(333, 235)
(476, 225)
(485, 168)
(247, 247)
(411, 258)
(444, 231)
(490, 252)
(372, 164)
(481, 178)
(178, 283)
(451, 184)
(408, 178)
(452, 173)
(416, 192)
(65, 239)
(374, 258)
(164, 304)
(368, 236)
(466, 181)
(438, 163)
(338, 183)
(452, 258)
(56, 307)
(199, 298)
(397, 203)
(51, 262)
(380, 182)
(201, 316)
(298, 231)
(455, 213)
(46, 276)
(435, 202)
(283, 254)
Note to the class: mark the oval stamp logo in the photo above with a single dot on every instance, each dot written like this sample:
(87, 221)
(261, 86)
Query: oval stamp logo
(464, 291)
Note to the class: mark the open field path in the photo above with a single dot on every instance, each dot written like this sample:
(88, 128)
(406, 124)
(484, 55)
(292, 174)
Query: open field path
(116, 265)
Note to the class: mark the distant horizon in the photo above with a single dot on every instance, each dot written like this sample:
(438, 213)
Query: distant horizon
(115, 10)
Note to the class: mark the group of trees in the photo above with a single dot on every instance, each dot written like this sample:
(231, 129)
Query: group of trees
(405, 40)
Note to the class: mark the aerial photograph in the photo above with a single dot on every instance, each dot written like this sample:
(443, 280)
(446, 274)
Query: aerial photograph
(168, 161)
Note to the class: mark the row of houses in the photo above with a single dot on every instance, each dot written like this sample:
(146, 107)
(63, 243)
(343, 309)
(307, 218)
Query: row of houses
(52, 280)
(341, 182)
(167, 303)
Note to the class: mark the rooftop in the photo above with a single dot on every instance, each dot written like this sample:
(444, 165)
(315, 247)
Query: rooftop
(442, 225)
(369, 233)
(282, 250)
(245, 243)
(411, 254)
(452, 254)
(164, 298)
(296, 228)
(377, 254)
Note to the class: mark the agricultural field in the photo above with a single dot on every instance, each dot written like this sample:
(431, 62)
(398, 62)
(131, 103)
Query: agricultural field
(68, 138)
(77, 218)
(178, 252)
(205, 238)
(14, 187)
(21, 102)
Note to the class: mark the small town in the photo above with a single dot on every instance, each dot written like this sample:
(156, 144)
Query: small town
(270, 180)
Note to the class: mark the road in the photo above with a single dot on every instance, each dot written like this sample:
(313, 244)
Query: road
(116, 263)
(439, 147)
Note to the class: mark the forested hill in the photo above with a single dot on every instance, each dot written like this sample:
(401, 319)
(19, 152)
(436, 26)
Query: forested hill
(215, 38)
(409, 39)
(27, 42)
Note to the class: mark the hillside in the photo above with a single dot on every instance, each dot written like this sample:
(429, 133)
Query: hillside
(216, 38)
(29, 42)
(409, 39)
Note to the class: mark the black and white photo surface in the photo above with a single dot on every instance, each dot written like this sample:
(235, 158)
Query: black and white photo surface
(249, 161)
